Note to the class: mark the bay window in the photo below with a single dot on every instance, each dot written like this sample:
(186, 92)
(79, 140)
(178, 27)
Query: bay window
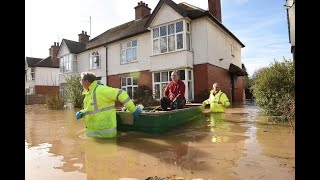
(162, 79)
(171, 37)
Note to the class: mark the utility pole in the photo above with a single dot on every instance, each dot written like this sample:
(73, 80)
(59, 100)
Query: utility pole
(90, 25)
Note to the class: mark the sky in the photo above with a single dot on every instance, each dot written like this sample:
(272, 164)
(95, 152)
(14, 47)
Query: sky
(261, 25)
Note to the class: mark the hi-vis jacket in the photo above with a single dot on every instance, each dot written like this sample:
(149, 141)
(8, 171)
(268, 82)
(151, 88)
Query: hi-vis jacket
(213, 101)
(99, 109)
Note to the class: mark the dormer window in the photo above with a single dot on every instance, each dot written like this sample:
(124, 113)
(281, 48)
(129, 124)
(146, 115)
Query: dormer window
(94, 60)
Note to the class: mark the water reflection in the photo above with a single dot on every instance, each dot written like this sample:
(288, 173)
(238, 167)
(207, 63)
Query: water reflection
(216, 146)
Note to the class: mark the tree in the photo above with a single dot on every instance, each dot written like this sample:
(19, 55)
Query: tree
(274, 89)
(74, 90)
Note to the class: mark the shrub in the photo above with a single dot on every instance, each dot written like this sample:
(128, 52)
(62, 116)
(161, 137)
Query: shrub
(55, 101)
(143, 95)
(274, 89)
(74, 90)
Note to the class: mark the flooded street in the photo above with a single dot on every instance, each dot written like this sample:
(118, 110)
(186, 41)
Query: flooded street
(239, 144)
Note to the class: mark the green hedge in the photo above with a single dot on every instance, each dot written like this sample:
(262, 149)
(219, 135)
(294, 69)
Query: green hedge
(274, 89)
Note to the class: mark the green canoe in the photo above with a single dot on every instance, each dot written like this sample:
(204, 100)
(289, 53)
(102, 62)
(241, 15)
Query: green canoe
(156, 122)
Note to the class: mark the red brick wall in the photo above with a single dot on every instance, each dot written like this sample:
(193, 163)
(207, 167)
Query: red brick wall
(239, 89)
(144, 78)
(205, 75)
(46, 89)
(35, 99)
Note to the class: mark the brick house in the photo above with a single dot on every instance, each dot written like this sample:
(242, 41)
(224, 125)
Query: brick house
(41, 75)
(147, 49)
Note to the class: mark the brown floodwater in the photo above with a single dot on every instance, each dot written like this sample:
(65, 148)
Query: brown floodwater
(240, 144)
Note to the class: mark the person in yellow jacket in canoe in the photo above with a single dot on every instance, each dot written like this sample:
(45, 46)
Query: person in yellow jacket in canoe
(99, 107)
(218, 100)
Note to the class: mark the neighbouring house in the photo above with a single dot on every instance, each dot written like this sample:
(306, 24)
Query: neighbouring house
(290, 6)
(41, 75)
(67, 54)
(147, 49)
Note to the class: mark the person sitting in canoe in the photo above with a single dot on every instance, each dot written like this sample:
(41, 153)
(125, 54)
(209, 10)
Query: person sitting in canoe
(218, 100)
(173, 95)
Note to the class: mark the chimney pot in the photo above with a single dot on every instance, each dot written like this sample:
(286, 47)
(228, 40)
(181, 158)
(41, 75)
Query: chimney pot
(54, 44)
(82, 32)
(147, 5)
(85, 32)
(57, 44)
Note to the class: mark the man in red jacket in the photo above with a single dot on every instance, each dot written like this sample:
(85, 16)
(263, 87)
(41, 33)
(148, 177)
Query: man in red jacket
(173, 95)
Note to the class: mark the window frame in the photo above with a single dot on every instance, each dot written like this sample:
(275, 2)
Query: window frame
(156, 36)
(133, 86)
(125, 47)
(93, 57)
(186, 81)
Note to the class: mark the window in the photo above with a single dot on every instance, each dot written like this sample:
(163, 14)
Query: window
(162, 79)
(94, 60)
(32, 74)
(188, 40)
(29, 91)
(232, 49)
(130, 85)
(128, 52)
(190, 86)
(66, 63)
(170, 37)
(98, 79)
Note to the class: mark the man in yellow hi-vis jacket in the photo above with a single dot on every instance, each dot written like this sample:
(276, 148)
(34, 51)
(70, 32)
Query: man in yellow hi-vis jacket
(99, 107)
(218, 100)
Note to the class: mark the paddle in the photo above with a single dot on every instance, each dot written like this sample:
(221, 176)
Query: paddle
(155, 108)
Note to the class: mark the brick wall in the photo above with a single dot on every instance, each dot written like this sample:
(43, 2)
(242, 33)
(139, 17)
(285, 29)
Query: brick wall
(144, 78)
(35, 99)
(239, 90)
(205, 75)
(46, 89)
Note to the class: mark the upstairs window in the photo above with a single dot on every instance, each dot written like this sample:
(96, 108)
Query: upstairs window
(232, 49)
(66, 64)
(94, 60)
(32, 74)
(128, 52)
(168, 38)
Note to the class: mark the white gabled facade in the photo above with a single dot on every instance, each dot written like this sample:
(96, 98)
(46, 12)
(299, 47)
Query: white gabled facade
(195, 47)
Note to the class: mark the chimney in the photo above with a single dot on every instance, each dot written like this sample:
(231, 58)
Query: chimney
(142, 10)
(83, 37)
(215, 9)
(53, 53)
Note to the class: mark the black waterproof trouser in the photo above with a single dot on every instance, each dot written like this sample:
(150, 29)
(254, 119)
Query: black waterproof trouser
(177, 104)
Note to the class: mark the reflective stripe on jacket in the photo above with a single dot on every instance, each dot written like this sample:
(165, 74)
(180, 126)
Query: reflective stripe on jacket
(214, 99)
(99, 109)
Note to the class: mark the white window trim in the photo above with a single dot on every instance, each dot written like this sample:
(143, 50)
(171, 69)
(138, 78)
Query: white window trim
(72, 59)
(186, 80)
(232, 49)
(125, 88)
(184, 34)
(91, 55)
(125, 50)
